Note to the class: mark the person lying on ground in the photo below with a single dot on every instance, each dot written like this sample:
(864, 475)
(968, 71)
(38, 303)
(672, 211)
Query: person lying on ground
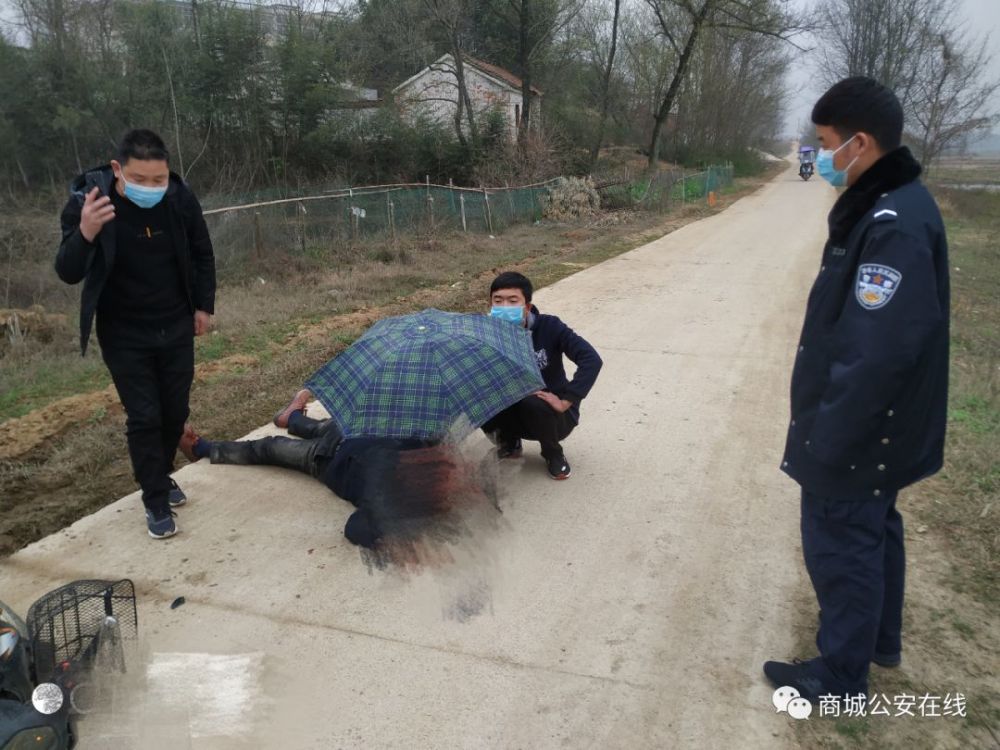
(397, 485)
(548, 416)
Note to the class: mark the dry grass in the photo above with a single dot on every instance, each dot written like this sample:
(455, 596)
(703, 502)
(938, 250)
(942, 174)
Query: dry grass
(967, 170)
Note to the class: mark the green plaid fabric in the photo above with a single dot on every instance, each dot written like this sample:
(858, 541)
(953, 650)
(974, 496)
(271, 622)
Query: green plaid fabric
(419, 375)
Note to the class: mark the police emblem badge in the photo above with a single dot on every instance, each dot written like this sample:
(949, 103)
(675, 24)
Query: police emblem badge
(876, 285)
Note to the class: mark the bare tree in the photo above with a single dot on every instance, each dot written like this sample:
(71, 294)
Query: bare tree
(683, 22)
(734, 97)
(883, 39)
(648, 67)
(916, 48)
(450, 18)
(609, 67)
(534, 23)
(951, 98)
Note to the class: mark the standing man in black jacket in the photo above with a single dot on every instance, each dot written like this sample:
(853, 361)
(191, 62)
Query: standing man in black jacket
(869, 387)
(547, 416)
(134, 233)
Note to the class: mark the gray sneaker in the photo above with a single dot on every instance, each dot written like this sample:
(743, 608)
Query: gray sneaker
(161, 524)
(177, 498)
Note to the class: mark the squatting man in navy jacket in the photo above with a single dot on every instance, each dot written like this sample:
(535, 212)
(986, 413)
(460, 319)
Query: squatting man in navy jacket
(869, 387)
(547, 416)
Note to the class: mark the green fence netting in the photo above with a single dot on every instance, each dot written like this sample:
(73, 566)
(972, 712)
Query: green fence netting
(666, 188)
(311, 223)
(308, 224)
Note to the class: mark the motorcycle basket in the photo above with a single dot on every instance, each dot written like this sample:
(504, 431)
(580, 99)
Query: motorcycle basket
(68, 624)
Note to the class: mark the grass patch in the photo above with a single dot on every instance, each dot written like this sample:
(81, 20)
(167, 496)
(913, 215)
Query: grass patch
(968, 491)
(32, 376)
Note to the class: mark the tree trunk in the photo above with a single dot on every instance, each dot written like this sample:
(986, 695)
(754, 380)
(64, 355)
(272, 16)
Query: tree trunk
(194, 23)
(697, 22)
(596, 150)
(463, 93)
(76, 150)
(24, 175)
(459, 108)
(464, 104)
(523, 53)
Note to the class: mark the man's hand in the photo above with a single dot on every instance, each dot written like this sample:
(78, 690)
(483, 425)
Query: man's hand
(97, 211)
(559, 404)
(202, 322)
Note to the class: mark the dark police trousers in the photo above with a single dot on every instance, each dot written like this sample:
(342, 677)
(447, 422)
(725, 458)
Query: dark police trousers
(532, 419)
(310, 456)
(853, 550)
(152, 371)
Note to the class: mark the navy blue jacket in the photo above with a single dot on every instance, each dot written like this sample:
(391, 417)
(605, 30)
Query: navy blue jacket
(79, 260)
(870, 385)
(552, 339)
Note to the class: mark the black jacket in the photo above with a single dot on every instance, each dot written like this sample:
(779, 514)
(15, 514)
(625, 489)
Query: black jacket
(79, 260)
(870, 384)
(552, 339)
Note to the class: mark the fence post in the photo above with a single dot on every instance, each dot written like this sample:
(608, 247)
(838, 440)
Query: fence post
(302, 226)
(489, 214)
(430, 210)
(258, 239)
(392, 217)
(461, 204)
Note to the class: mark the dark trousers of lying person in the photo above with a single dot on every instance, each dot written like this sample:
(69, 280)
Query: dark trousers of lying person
(362, 471)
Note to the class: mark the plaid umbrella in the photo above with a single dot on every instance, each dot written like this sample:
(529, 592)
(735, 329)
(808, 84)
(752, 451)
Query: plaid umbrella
(417, 375)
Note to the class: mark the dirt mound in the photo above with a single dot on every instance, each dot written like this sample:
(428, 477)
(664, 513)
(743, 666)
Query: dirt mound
(20, 436)
(35, 322)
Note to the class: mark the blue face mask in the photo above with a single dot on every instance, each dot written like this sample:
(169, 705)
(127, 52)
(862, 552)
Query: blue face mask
(143, 197)
(510, 314)
(826, 170)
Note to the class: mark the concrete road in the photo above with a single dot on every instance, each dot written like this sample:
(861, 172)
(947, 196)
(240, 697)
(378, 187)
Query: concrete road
(629, 607)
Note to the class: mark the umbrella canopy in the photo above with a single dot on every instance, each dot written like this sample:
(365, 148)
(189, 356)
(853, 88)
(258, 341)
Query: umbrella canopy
(418, 375)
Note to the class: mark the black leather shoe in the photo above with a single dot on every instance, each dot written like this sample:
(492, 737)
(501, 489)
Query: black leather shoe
(887, 661)
(800, 676)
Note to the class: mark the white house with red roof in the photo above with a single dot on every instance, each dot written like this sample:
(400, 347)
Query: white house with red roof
(433, 92)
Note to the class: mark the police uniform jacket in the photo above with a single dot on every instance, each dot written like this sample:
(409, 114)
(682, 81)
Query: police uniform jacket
(869, 387)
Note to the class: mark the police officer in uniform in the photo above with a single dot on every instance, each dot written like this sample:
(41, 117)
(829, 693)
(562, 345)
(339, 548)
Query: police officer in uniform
(869, 386)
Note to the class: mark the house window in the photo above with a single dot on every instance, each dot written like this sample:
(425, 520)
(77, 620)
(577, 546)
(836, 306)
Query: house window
(517, 115)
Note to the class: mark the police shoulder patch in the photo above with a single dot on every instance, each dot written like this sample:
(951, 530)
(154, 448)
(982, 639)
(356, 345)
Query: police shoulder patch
(876, 285)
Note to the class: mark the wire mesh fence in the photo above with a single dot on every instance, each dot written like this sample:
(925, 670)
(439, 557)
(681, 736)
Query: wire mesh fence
(666, 188)
(312, 223)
